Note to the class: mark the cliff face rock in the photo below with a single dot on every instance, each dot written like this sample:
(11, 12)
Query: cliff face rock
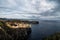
(19, 34)
(15, 34)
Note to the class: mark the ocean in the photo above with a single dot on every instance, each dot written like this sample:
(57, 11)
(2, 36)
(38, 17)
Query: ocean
(44, 29)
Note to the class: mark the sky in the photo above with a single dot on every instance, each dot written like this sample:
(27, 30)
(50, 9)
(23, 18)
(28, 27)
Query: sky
(30, 9)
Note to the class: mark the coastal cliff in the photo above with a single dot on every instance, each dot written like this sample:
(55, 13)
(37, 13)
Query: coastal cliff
(14, 30)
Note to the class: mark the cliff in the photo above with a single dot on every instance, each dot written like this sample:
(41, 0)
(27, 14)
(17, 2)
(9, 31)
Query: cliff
(14, 30)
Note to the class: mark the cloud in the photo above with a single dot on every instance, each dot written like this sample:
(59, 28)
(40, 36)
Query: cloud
(29, 9)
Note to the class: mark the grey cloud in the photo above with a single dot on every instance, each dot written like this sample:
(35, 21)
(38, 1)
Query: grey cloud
(27, 7)
(54, 12)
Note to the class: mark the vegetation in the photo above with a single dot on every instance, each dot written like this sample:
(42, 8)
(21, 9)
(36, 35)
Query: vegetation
(55, 36)
(1, 24)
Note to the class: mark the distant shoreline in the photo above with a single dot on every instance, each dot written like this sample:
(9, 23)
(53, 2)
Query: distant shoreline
(19, 20)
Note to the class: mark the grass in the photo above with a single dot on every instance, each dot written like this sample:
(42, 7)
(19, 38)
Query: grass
(55, 36)
(1, 24)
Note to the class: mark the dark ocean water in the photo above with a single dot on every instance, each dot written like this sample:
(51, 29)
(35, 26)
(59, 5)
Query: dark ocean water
(43, 29)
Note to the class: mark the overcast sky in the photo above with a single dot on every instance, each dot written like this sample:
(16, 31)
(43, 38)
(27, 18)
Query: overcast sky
(30, 9)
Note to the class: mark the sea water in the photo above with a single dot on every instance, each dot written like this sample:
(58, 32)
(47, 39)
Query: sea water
(44, 29)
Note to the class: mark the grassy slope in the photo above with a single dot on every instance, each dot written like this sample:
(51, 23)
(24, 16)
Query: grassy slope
(55, 36)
